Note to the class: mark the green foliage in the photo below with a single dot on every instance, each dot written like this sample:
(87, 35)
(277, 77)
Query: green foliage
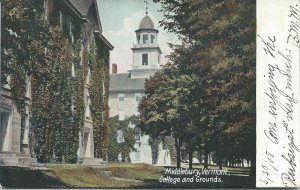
(115, 148)
(43, 52)
(169, 144)
(52, 116)
(19, 19)
(99, 64)
(208, 97)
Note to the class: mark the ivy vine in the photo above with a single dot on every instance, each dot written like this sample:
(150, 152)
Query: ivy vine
(99, 93)
(42, 52)
(123, 148)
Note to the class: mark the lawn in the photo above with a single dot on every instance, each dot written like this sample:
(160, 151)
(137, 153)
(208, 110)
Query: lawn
(115, 175)
(61, 176)
(135, 171)
(83, 176)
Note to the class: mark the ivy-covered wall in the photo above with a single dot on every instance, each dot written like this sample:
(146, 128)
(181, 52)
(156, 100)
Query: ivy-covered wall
(125, 147)
(57, 64)
(55, 133)
(99, 93)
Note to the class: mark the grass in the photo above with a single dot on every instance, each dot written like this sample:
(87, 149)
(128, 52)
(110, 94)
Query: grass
(61, 176)
(83, 176)
(135, 171)
(15, 177)
(123, 175)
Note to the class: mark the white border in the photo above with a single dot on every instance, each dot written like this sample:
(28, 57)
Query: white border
(277, 94)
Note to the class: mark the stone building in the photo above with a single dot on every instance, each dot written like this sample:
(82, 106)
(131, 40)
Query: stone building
(78, 19)
(14, 129)
(127, 89)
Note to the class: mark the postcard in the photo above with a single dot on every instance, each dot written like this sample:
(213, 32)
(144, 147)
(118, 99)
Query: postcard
(149, 94)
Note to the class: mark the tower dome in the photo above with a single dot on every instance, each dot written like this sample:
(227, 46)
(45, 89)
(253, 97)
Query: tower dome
(146, 51)
(146, 23)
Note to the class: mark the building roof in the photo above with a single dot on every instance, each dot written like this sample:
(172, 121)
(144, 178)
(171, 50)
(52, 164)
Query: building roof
(123, 83)
(82, 6)
(146, 23)
(104, 40)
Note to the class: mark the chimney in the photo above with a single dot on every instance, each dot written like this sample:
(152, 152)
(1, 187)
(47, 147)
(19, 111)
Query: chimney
(114, 68)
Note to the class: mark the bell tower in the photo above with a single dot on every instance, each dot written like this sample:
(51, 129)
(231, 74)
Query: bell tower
(146, 51)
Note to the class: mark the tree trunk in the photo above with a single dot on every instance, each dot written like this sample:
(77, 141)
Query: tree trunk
(205, 158)
(123, 157)
(190, 156)
(177, 145)
(220, 164)
(200, 156)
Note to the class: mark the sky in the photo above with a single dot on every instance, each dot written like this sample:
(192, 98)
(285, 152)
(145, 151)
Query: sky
(119, 20)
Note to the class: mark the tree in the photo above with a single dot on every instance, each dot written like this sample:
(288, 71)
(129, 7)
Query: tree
(220, 38)
(158, 111)
(168, 107)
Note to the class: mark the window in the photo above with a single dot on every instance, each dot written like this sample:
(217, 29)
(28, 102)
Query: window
(60, 20)
(88, 109)
(66, 25)
(152, 39)
(27, 87)
(88, 77)
(138, 39)
(46, 8)
(138, 97)
(71, 30)
(23, 125)
(121, 97)
(145, 59)
(120, 136)
(145, 38)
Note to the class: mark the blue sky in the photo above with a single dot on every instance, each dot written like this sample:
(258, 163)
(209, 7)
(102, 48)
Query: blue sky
(120, 18)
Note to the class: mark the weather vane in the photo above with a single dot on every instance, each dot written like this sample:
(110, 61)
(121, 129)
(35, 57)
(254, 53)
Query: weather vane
(146, 1)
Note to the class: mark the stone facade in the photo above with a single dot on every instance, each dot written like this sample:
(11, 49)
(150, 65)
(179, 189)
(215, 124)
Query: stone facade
(14, 130)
